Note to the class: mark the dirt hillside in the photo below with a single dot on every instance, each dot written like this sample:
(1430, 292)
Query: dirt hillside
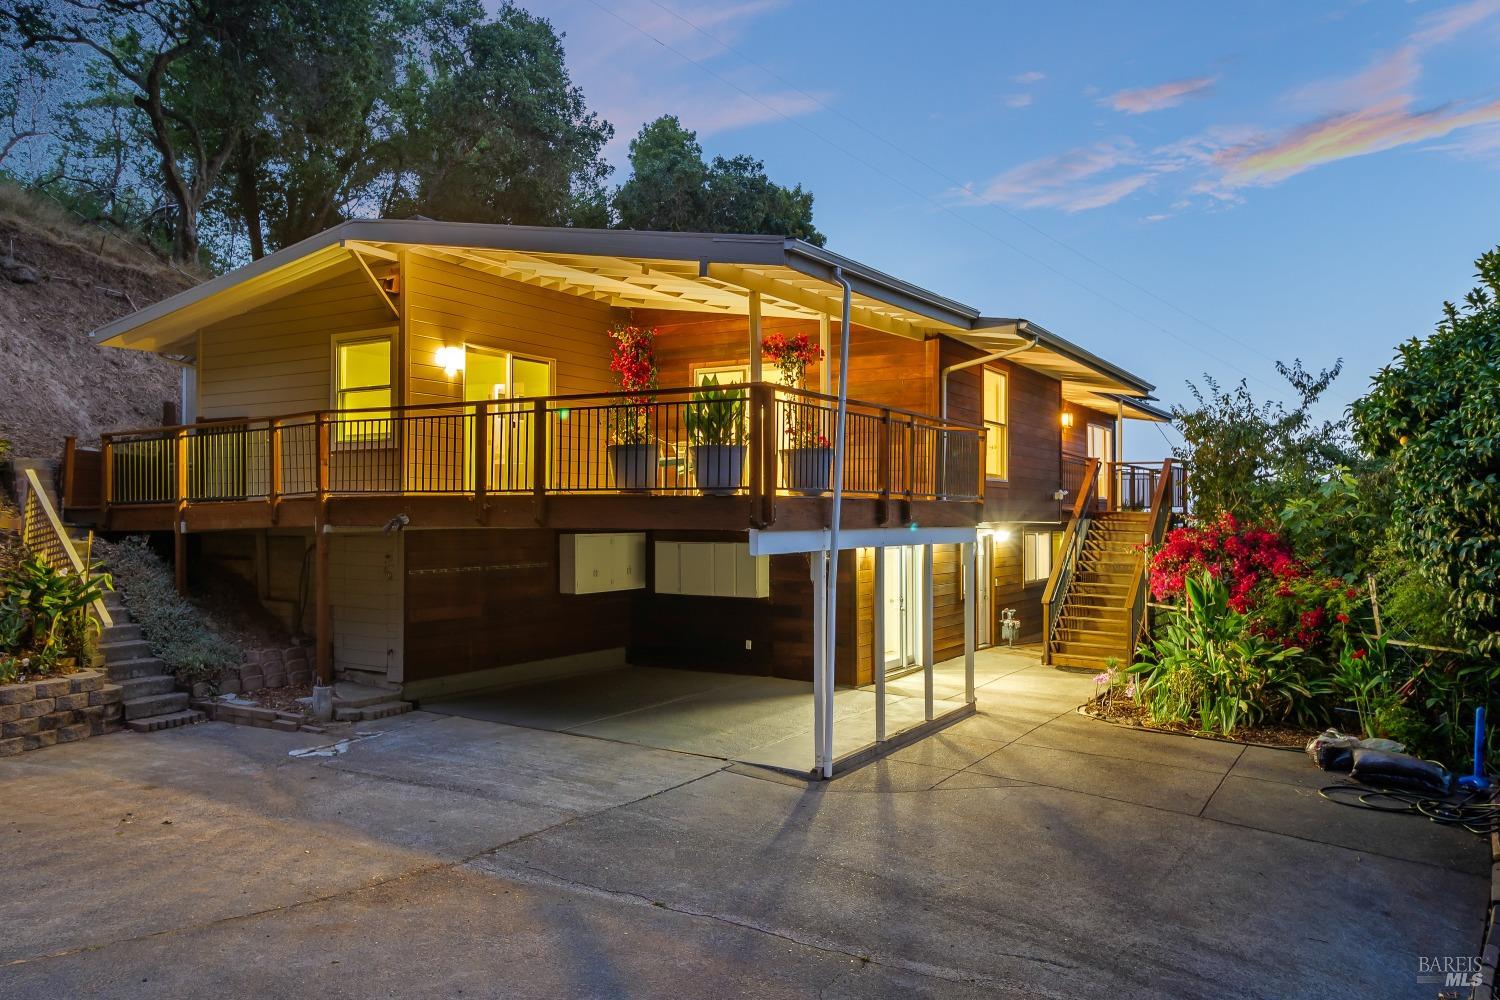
(58, 282)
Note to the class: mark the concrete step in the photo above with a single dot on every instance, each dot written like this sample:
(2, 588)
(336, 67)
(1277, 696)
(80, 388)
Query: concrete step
(120, 632)
(347, 694)
(118, 651)
(170, 720)
(145, 666)
(368, 713)
(155, 704)
(142, 687)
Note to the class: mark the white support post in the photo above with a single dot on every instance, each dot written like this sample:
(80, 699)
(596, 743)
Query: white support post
(927, 642)
(821, 720)
(755, 337)
(877, 643)
(967, 554)
(825, 370)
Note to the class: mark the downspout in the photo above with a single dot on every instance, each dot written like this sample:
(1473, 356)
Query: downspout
(984, 359)
(831, 618)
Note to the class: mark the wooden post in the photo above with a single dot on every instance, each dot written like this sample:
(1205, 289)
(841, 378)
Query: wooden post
(277, 485)
(481, 457)
(539, 460)
(179, 522)
(757, 458)
(324, 448)
(883, 507)
(322, 602)
(106, 475)
(755, 337)
(69, 486)
(825, 368)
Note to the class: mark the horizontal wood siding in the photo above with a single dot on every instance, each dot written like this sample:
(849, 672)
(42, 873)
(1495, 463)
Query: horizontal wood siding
(1034, 430)
(276, 358)
(448, 304)
(477, 599)
(365, 582)
(1011, 591)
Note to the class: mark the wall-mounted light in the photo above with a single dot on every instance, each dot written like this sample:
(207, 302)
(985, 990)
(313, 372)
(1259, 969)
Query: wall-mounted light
(450, 360)
(1002, 535)
(1067, 418)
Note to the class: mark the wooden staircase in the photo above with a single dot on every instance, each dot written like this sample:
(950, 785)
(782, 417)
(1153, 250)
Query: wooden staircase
(1095, 601)
(1094, 622)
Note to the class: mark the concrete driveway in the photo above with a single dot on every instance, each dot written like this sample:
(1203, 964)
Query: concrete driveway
(1026, 852)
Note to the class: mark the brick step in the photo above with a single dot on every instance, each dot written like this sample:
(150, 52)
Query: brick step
(119, 632)
(142, 687)
(169, 720)
(368, 713)
(146, 666)
(119, 651)
(155, 704)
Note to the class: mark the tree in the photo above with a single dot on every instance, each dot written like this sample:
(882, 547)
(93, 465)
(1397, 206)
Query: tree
(1250, 458)
(1435, 413)
(671, 188)
(191, 70)
(493, 130)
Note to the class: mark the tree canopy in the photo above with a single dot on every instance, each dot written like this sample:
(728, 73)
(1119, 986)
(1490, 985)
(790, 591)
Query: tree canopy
(672, 188)
(1434, 414)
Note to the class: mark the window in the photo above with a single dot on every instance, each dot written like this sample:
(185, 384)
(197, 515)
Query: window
(996, 406)
(362, 381)
(1037, 550)
(724, 374)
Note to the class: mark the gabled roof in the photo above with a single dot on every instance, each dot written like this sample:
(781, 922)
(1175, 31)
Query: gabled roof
(701, 272)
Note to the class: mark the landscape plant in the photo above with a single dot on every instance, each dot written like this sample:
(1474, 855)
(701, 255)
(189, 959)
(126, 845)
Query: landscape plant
(45, 618)
(802, 420)
(178, 633)
(632, 361)
(716, 414)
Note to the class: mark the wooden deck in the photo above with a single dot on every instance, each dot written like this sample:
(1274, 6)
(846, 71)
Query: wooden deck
(546, 461)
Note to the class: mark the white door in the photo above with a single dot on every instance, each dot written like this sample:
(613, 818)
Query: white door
(903, 608)
(1101, 443)
(984, 554)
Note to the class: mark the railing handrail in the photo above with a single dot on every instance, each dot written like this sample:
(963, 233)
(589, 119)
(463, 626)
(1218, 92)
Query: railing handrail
(526, 401)
(1072, 544)
(38, 496)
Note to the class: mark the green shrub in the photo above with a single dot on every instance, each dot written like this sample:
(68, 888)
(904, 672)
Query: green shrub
(178, 633)
(45, 616)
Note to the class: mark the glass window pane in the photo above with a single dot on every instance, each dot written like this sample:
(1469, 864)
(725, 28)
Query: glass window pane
(364, 363)
(532, 378)
(994, 397)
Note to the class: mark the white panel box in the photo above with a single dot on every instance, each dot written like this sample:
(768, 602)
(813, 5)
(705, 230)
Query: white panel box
(711, 569)
(598, 563)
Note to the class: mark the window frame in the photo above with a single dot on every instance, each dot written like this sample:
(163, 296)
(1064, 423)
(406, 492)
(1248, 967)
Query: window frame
(1029, 578)
(339, 341)
(1003, 476)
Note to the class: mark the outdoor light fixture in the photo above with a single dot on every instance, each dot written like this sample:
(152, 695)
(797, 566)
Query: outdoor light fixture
(1067, 418)
(450, 359)
(1002, 535)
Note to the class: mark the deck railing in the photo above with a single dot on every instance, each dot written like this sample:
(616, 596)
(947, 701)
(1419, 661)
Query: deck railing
(777, 439)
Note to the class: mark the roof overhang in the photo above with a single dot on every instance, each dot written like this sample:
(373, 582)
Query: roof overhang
(629, 269)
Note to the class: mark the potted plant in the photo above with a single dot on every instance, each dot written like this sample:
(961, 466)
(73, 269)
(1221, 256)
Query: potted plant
(808, 456)
(632, 449)
(715, 419)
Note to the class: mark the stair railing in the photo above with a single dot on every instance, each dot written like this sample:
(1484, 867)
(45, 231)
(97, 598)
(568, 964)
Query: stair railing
(43, 533)
(1061, 577)
(1156, 529)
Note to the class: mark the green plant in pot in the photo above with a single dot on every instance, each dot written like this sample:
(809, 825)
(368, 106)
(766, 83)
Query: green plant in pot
(715, 420)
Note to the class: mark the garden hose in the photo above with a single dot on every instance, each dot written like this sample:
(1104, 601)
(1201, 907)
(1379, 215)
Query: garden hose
(1475, 812)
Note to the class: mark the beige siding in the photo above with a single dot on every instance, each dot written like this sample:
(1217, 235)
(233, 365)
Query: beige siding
(448, 304)
(275, 359)
(365, 590)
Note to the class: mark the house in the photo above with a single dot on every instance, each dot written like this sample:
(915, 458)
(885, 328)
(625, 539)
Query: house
(407, 434)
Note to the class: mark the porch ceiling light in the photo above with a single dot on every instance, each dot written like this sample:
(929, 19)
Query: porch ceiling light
(450, 359)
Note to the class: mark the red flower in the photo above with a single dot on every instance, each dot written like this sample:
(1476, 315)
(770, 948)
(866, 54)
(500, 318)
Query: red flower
(1358, 654)
(1351, 593)
(1342, 618)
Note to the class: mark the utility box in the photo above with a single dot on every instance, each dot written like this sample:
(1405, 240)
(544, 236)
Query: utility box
(597, 563)
(711, 569)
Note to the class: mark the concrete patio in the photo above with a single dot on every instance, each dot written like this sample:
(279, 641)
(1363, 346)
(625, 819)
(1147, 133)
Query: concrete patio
(1025, 852)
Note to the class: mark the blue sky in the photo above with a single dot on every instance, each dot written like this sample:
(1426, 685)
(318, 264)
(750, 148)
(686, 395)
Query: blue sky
(1180, 187)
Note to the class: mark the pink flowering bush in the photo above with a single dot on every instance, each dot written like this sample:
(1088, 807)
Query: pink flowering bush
(633, 364)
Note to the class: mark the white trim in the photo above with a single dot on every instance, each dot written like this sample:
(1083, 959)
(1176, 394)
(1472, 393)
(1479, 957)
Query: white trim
(780, 543)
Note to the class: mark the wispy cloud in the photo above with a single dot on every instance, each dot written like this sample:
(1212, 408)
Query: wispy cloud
(1030, 77)
(1164, 95)
(1075, 181)
(1018, 100)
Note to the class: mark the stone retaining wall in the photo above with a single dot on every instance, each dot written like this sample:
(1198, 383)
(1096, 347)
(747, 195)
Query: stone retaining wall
(268, 668)
(62, 709)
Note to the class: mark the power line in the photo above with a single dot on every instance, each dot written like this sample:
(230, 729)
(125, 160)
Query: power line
(983, 230)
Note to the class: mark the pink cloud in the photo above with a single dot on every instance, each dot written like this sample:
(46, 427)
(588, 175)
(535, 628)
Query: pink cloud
(1075, 181)
(1359, 133)
(1164, 95)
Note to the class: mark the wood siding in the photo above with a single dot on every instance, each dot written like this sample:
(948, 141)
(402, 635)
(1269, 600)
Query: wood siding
(478, 599)
(276, 359)
(449, 304)
(1007, 573)
(1034, 429)
(365, 590)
